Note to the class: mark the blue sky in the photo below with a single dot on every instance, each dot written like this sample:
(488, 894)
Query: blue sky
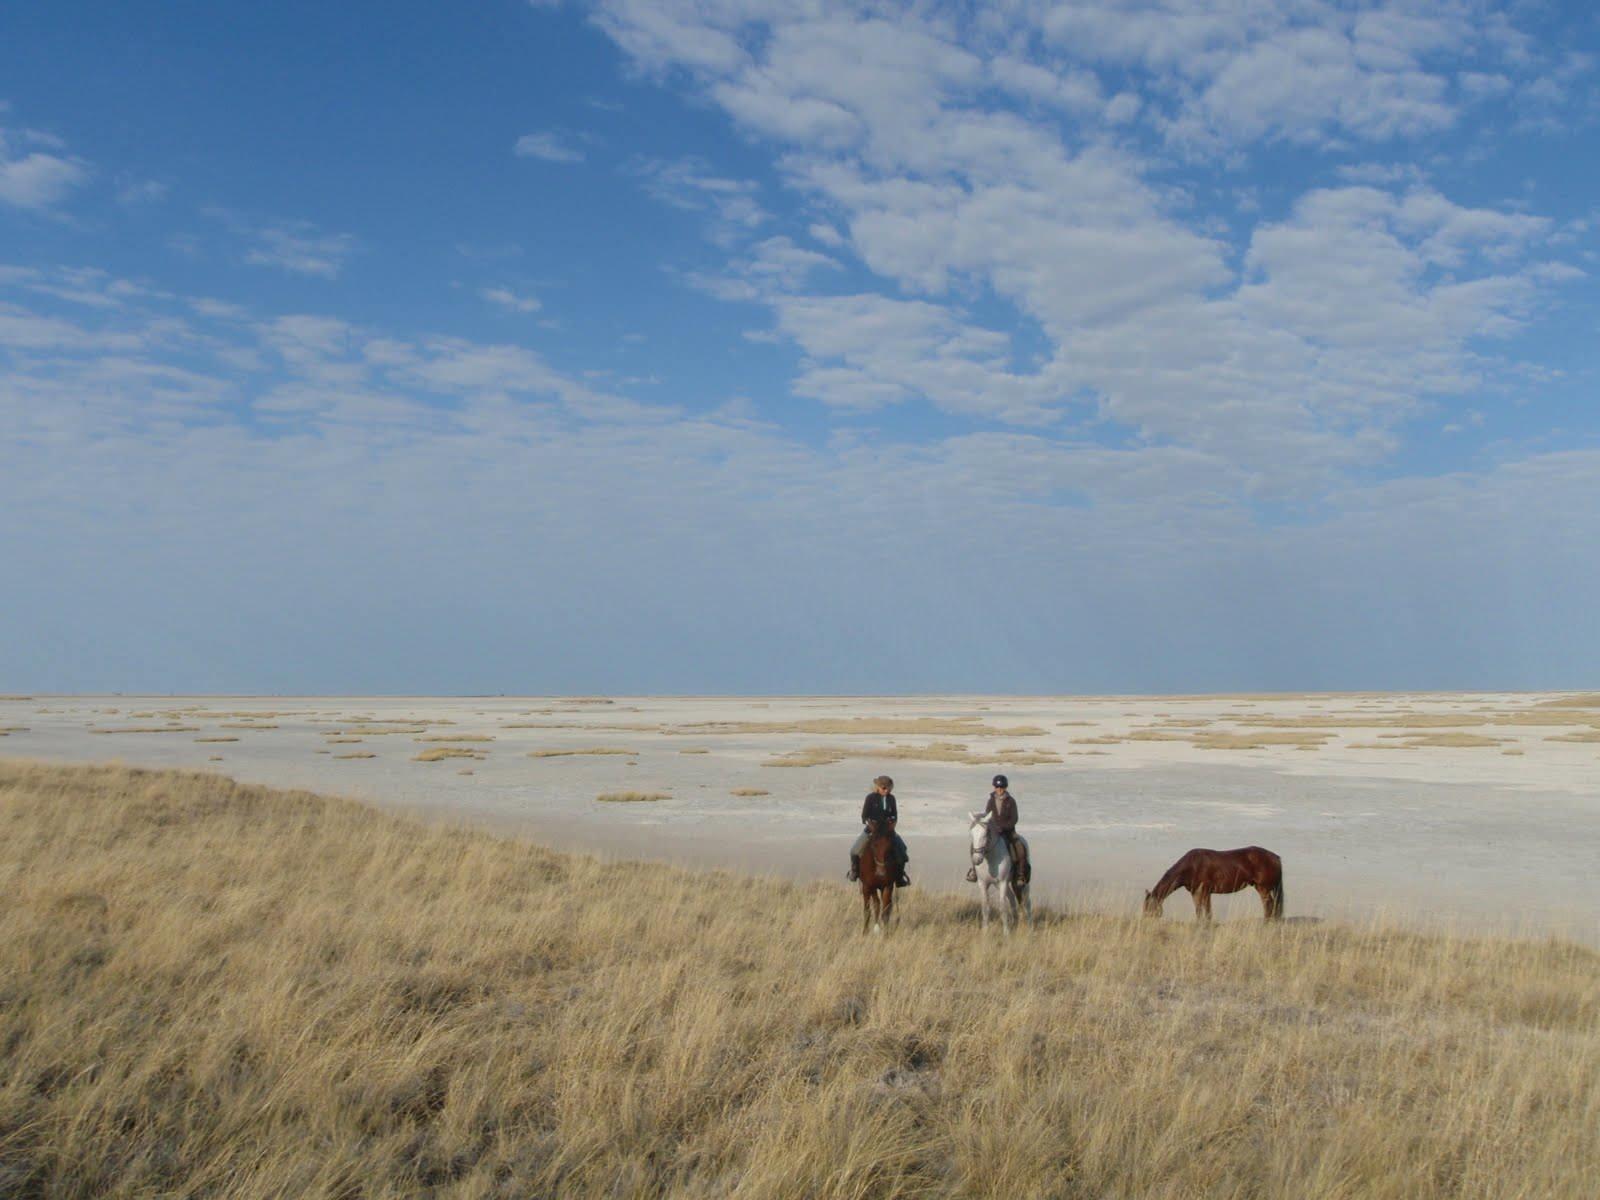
(749, 347)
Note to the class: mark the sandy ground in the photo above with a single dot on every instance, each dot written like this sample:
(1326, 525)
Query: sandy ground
(1468, 811)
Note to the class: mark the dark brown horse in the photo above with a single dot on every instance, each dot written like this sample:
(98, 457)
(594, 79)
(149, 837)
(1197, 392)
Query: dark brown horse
(878, 873)
(1219, 872)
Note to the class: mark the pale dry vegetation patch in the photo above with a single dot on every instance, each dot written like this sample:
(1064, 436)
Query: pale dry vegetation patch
(1259, 740)
(7, 729)
(926, 726)
(148, 729)
(590, 750)
(440, 753)
(1588, 735)
(212, 990)
(199, 741)
(632, 797)
(947, 752)
(245, 725)
(369, 730)
(357, 754)
(1451, 741)
(1583, 700)
(750, 792)
(457, 737)
(695, 750)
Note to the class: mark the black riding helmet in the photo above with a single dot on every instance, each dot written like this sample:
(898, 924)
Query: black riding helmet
(1001, 781)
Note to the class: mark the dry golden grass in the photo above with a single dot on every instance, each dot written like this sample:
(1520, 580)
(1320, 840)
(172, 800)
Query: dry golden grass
(601, 750)
(1452, 741)
(209, 990)
(949, 752)
(750, 792)
(149, 729)
(440, 753)
(245, 725)
(695, 750)
(1588, 735)
(199, 741)
(357, 754)
(632, 797)
(1584, 700)
(1427, 721)
(457, 737)
(928, 726)
(1258, 740)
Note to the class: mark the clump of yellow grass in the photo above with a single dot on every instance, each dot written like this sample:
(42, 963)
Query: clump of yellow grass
(948, 752)
(149, 729)
(440, 753)
(632, 797)
(208, 989)
(599, 750)
(751, 792)
(929, 726)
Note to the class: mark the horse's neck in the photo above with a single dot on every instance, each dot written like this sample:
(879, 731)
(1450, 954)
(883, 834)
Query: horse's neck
(1174, 879)
(996, 854)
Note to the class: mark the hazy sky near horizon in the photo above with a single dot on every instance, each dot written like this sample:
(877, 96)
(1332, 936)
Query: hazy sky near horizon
(735, 346)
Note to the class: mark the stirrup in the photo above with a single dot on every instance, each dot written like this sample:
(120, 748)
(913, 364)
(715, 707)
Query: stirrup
(854, 873)
(972, 874)
(904, 881)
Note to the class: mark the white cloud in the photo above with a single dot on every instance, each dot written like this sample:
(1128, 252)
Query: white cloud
(505, 298)
(299, 248)
(690, 184)
(548, 146)
(34, 178)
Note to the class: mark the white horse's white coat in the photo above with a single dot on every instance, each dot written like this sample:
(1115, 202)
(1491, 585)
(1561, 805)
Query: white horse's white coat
(992, 861)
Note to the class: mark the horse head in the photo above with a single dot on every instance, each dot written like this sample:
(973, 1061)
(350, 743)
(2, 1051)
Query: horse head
(980, 832)
(1152, 906)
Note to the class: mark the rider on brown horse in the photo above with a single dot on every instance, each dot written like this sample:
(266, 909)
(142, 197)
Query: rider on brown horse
(1004, 807)
(879, 812)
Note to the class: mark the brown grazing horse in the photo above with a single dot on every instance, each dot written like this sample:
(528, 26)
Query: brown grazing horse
(1211, 872)
(878, 873)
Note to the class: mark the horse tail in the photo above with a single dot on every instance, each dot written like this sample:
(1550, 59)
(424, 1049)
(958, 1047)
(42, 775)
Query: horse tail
(1277, 898)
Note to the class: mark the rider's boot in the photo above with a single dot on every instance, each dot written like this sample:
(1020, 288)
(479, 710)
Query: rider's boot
(972, 874)
(855, 870)
(904, 881)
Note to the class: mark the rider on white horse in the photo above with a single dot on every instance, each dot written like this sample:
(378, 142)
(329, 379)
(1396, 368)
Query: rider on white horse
(1003, 805)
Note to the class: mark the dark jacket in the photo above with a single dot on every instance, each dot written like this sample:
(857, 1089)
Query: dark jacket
(879, 808)
(1005, 812)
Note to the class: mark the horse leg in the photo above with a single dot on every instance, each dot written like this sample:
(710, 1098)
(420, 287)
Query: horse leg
(866, 910)
(1008, 900)
(1268, 906)
(888, 906)
(1202, 903)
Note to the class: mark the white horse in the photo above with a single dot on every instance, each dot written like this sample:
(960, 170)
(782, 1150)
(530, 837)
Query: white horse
(992, 860)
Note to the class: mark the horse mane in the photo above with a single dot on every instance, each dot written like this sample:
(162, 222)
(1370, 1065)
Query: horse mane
(1172, 880)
